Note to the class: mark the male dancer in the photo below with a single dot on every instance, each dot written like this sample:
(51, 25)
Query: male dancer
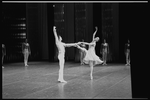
(61, 54)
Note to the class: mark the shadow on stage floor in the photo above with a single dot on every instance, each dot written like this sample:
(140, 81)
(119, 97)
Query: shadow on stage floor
(39, 80)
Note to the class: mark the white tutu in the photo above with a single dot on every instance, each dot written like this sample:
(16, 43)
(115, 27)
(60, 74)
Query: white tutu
(91, 56)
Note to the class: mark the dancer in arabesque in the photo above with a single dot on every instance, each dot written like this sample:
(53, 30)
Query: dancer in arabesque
(91, 58)
(61, 54)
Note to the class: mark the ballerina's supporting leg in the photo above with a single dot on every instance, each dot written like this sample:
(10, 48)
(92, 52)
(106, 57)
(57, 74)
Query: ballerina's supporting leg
(91, 67)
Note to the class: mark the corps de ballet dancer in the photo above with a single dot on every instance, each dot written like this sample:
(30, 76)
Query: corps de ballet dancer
(26, 52)
(104, 51)
(127, 53)
(91, 58)
(61, 54)
(82, 53)
(3, 53)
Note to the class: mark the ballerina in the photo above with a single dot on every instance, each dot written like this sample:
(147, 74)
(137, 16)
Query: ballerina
(91, 58)
(61, 54)
(26, 52)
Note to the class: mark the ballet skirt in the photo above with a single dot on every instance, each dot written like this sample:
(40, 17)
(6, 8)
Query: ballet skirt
(91, 56)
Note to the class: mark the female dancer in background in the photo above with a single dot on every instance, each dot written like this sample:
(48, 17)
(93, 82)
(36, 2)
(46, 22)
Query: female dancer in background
(91, 58)
(82, 53)
(61, 54)
(3, 53)
(127, 53)
(104, 51)
(26, 52)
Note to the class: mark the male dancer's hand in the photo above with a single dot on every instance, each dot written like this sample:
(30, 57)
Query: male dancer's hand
(54, 28)
(96, 27)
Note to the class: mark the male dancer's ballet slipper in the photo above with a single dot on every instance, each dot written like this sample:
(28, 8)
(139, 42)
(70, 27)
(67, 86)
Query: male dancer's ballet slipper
(62, 81)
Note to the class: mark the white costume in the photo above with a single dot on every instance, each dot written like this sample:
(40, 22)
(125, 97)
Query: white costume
(91, 58)
(26, 51)
(61, 54)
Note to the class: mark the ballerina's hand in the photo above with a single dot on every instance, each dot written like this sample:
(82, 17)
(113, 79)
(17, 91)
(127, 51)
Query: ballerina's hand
(75, 45)
(80, 42)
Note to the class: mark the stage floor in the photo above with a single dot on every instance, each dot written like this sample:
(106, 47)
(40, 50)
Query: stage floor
(39, 81)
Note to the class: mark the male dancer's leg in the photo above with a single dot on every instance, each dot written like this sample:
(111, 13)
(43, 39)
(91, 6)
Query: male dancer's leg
(61, 69)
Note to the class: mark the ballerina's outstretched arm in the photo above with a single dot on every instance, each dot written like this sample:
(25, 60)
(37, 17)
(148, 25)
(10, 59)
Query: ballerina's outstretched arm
(81, 48)
(94, 33)
(86, 43)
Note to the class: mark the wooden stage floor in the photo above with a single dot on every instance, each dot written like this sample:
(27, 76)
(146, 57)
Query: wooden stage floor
(39, 81)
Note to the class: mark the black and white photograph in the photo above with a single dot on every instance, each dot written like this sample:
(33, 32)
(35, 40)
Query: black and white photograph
(73, 49)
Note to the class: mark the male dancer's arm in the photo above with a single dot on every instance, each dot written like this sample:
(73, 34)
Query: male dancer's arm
(55, 34)
(95, 33)
(69, 44)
